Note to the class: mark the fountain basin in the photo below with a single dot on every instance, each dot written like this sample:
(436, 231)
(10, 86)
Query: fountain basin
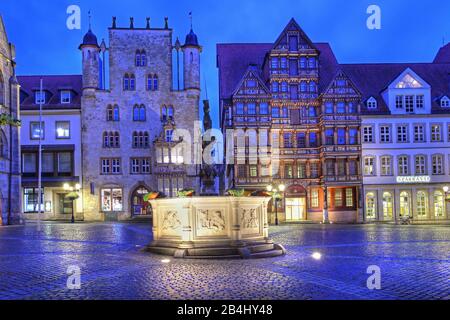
(212, 227)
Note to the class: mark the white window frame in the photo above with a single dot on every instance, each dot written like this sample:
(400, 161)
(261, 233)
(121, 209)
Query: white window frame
(64, 95)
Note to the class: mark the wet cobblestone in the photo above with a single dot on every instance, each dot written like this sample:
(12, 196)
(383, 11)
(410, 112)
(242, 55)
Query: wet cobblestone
(414, 262)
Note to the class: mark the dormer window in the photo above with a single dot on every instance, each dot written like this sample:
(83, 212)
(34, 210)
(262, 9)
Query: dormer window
(445, 102)
(65, 97)
(372, 103)
(39, 97)
(408, 82)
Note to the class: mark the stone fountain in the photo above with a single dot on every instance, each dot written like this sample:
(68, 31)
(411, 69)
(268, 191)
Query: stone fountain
(212, 227)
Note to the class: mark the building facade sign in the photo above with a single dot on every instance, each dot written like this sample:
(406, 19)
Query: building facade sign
(414, 179)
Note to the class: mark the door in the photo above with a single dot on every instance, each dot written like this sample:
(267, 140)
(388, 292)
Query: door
(295, 209)
(138, 205)
(64, 204)
(405, 206)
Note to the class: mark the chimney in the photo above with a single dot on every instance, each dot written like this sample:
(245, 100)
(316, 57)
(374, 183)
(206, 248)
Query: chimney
(114, 22)
(131, 23)
(148, 23)
(166, 25)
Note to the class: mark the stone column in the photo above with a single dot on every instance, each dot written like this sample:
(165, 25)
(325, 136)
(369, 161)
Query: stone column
(265, 221)
(396, 207)
(413, 203)
(325, 205)
(380, 213)
(186, 214)
(431, 214)
(236, 236)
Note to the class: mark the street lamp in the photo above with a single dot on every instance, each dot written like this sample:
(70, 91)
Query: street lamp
(275, 195)
(446, 188)
(72, 195)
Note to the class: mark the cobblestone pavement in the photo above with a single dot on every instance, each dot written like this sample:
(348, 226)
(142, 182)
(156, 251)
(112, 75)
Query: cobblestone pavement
(414, 262)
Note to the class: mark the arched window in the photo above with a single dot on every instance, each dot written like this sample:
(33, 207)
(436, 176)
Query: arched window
(3, 145)
(132, 82)
(155, 82)
(136, 113)
(116, 113)
(405, 206)
(146, 140)
(149, 82)
(138, 58)
(387, 205)
(109, 113)
(142, 113)
(372, 103)
(111, 139)
(371, 206)
(438, 204)
(143, 58)
(422, 204)
(126, 82)
(116, 140)
(170, 113)
(303, 86)
(105, 140)
(2, 90)
(135, 139)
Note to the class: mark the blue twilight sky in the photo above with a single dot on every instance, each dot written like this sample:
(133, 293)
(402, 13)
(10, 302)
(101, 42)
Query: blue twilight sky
(412, 30)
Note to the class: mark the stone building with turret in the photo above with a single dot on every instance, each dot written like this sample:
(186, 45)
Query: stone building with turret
(10, 202)
(141, 133)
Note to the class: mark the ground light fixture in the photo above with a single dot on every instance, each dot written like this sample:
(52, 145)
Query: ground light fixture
(165, 261)
(316, 255)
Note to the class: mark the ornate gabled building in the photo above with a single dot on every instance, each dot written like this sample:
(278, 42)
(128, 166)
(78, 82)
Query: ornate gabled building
(10, 204)
(132, 132)
(296, 119)
(352, 142)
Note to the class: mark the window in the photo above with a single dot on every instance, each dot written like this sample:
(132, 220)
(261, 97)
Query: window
(105, 166)
(352, 107)
(242, 171)
(167, 113)
(288, 173)
(386, 166)
(169, 135)
(29, 163)
(284, 86)
(439, 204)
(115, 166)
(421, 204)
(111, 139)
(48, 166)
(39, 97)
(338, 200)
(314, 198)
(314, 168)
(139, 113)
(141, 139)
(129, 82)
(263, 108)
(37, 131)
(420, 165)
(445, 102)
(402, 134)
(403, 169)
(301, 140)
(275, 63)
(312, 112)
(369, 166)
(438, 164)
(368, 134)
(274, 87)
(303, 63)
(329, 108)
(330, 167)
(419, 133)
(311, 63)
(329, 137)
(240, 108)
(112, 200)
(385, 134)
(370, 206)
(341, 168)
(405, 206)
(140, 166)
(409, 104)
(419, 101)
(275, 112)
(287, 139)
(141, 58)
(301, 170)
(65, 97)
(313, 140)
(341, 136)
(3, 145)
(408, 82)
(62, 129)
(340, 107)
(353, 136)
(349, 198)
(371, 103)
(399, 102)
(64, 163)
(388, 207)
(353, 167)
(251, 109)
(30, 200)
(312, 86)
(152, 82)
(285, 112)
(436, 133)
